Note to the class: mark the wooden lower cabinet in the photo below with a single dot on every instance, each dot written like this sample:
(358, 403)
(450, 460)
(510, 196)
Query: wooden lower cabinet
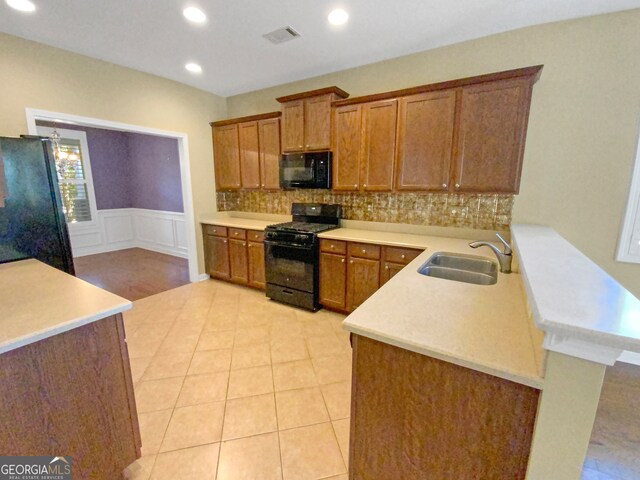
(255, 253)
(72, 394)
(333, 281)
(217, 255)
(363, 279)
(238, 261)
(414, 417)
(389, 269)
(235, 254)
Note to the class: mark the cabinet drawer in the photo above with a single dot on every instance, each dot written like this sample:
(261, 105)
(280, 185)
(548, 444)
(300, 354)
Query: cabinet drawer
(215, 230)
(364, 250)
(333, 246)
(255, 236)
(400, 255)
(238, 233)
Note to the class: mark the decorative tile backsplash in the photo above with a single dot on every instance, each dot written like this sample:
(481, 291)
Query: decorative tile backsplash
(482, 211)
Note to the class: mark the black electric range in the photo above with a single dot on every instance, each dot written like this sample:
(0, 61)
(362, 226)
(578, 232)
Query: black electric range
(292, 254)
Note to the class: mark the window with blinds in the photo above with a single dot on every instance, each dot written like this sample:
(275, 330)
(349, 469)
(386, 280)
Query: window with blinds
(72, 181)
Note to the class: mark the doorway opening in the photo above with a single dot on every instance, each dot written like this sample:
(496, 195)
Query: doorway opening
(157, 231)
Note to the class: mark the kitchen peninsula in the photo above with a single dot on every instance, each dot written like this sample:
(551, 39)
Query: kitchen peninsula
(65, 379)
(531, 350)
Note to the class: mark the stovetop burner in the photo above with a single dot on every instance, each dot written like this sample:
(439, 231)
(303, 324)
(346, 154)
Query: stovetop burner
(303, 227)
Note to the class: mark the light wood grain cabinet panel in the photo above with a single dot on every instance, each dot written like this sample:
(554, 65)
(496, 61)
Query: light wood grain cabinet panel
(333, 280)
(238, 261)
(414, 417)
(255, 254)
(363, 279)
(249, 155)
(425, 141)
(226, 152)
(347, 147)
(389, 270)
(379, 120)
(269, 141)
(317, 122)
(492, 130)
(293, 126)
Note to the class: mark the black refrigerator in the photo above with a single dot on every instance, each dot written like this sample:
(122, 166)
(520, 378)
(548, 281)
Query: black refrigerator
(32, 222)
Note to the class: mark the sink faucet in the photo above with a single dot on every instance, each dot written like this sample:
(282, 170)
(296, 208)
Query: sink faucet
(503, 258)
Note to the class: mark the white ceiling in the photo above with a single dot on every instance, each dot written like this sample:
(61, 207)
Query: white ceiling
(153, 36)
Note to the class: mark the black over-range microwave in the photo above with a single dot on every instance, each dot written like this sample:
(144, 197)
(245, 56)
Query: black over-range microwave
(305, 170)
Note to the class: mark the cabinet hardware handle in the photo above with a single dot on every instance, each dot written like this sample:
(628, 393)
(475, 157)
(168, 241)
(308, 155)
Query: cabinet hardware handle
(351, 261)
(386, 267)
(444, 185)
(355, 186)
(308, 146)
(457, 185)
(263, 185)
(342, 260)
(365, 185)
(244, 244)
(364, 251)
(300, 146)
(333, 246)
(224, 241)
(402, 257)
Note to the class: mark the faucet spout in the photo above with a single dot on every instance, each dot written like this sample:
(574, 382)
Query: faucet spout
(504, 258)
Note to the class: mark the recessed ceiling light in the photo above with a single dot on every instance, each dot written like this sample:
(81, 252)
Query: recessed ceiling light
(22, 5)
(338, 17)
(193, 67)
(194, 15)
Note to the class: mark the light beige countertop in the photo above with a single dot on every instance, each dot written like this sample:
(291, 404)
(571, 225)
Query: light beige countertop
(486, 328)
(39, 301)
(380, 238)
(243, 220)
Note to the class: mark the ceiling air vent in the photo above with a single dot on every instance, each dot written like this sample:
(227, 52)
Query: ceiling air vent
(281, 35)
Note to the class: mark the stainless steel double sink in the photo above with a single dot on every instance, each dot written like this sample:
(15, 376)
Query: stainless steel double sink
(461, 268)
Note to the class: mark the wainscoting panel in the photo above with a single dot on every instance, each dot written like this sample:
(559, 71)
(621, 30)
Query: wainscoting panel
(122, 228)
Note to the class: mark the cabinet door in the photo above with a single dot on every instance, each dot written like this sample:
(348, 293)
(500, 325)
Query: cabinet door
(389, 269)
(333, 280)
(256, 265)
(317, 123)
(249, 157)
(347, 130)
(293, 126)
(493, 122)
(226, 157)
(363, 279)
(218, 249)
(425, 141)
(269, 140)
(379, 120)
(238, 261)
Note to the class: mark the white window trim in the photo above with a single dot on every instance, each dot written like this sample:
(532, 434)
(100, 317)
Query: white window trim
(86, 160)
(631, 217)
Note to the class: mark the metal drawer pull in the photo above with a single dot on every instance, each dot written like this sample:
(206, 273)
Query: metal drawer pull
(288, 292)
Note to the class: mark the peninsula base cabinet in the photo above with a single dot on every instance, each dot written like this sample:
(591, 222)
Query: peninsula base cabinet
(414, 417)
(350, 272)
(72, 394)
(235, 255)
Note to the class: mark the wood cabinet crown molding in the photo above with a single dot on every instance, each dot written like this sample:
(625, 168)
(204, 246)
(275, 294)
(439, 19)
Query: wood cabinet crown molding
(533, 73)
(313, 93)
(249, 118)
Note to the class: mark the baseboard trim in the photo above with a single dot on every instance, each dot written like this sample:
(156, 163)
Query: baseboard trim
(202, 277)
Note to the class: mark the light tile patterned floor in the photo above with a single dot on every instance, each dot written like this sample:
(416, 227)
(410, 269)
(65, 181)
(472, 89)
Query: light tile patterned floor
(232, 386)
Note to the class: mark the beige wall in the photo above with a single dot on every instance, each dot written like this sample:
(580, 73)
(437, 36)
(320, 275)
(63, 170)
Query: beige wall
(37, 76)
(582, 127)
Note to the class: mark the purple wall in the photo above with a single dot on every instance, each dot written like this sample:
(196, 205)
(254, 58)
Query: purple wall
(131, 170)
(155, 180)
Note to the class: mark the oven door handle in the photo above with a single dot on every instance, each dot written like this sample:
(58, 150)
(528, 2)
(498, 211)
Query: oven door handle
(288, 245)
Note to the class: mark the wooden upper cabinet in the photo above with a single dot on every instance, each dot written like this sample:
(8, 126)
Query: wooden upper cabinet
(306, 119)
(317, 122)
(269, 140)
(347, 126)
(247, 152)
(379, 120)
(249, 155)
(425, 141)
(293, 126)
(492, 130)
(226, 152)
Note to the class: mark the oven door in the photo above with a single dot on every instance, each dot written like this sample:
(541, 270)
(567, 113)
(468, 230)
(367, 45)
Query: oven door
(297, 170)
(290, 265)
